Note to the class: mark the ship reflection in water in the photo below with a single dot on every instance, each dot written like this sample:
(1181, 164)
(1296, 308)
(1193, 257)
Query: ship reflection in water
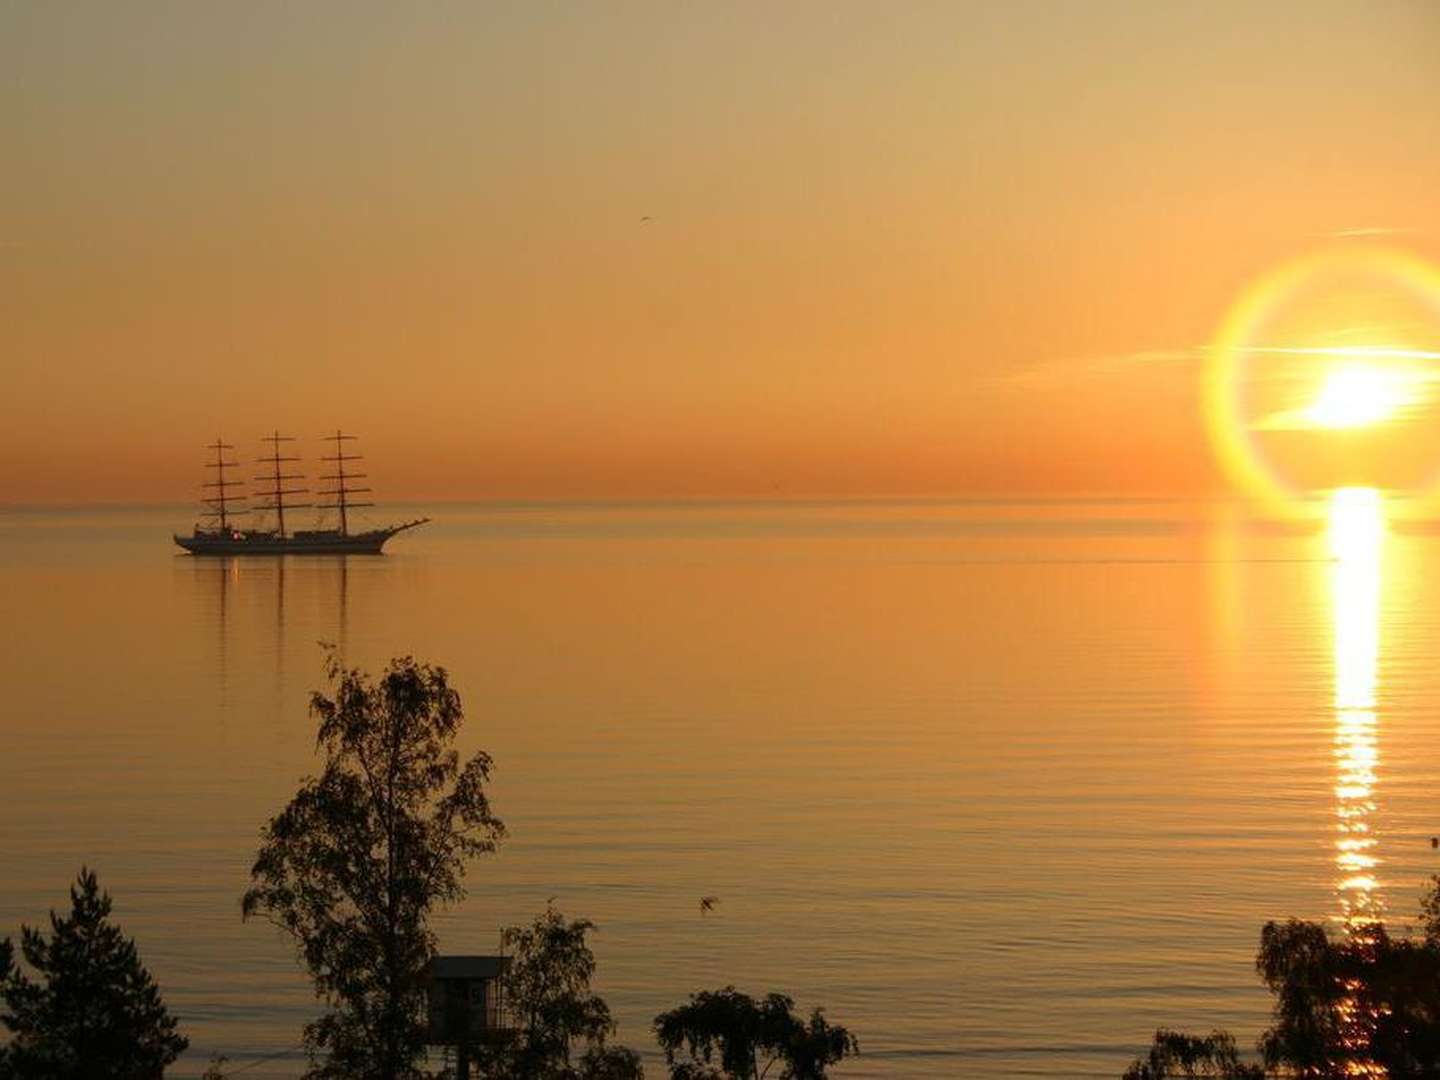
(228, 599)
(1357, 540)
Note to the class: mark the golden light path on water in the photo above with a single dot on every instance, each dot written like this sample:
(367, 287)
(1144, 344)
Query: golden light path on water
(1357, 535)
(1357, 530)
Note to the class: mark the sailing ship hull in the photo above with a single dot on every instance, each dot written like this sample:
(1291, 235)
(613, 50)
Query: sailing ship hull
(311, 543)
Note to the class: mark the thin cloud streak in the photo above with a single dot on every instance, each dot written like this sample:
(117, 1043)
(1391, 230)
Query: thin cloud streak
(1060, 372)
(1369, 233)
(1352, 352)
(1304, 419)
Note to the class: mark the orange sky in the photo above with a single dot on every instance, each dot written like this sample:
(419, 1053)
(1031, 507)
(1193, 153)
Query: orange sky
(944, 248)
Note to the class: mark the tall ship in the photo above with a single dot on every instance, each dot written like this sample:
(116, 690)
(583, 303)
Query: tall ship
(218, 533)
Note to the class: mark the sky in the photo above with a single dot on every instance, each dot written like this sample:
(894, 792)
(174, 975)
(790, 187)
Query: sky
(660, 249)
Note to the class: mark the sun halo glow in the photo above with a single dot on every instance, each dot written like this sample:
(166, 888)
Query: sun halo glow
(1278, 315)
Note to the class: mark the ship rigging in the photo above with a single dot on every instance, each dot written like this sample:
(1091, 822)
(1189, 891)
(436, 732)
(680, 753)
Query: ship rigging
(218, 535)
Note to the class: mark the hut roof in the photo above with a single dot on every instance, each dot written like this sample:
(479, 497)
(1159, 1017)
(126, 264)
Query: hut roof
(468, 967)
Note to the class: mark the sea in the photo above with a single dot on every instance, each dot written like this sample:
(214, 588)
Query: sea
(1004, 785)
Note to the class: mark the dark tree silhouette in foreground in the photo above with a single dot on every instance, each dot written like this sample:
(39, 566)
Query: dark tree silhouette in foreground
(354, 866)
(1366, 1003)
(1174, 1056)
(93, 1012)
(749, 1038)
(1365, 1000)
(554, 1010)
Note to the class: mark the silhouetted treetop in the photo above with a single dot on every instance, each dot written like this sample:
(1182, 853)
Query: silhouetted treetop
(1363, 1003)
(1175, 1056)
(554, 1011)
(748, 1037)
(356, 863)
(93, 1012)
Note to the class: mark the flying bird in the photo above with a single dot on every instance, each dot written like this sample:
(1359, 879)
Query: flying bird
(646, 219)
(707, 903)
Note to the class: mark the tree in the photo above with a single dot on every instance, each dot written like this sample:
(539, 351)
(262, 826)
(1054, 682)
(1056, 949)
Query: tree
(7, 972)
(1174, 1056)
(1304, 969)
(1362, 1004)
(744, 1033)
(1367, 1001)
(94, 1013)
(548, 994)
(354, 866)
(610, 1063)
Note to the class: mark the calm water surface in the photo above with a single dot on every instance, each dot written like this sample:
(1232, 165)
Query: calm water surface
(1004, 786)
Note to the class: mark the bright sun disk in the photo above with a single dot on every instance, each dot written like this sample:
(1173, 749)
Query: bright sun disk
(1355, 396)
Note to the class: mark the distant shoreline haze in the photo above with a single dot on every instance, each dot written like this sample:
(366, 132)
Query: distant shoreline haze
(1000, 498)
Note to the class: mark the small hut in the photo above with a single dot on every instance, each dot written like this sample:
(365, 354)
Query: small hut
(466, 1000)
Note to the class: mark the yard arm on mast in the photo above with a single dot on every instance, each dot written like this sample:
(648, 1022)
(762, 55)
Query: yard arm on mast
(218, 505)
(278, 492)
(342, 491)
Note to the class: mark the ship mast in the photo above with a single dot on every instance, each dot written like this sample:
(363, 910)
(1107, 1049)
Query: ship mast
(277, 493)
(219, 503)
(341, 490)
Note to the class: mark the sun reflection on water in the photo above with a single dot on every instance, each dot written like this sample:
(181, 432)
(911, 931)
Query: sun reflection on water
(1357, 531)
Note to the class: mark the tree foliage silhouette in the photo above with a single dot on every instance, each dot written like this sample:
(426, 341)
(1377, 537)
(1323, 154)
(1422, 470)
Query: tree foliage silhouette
(554, 1010)
(354, 866)
(93, 1012)
(749, 1038)
(1364, 1003)
(1174, 1056)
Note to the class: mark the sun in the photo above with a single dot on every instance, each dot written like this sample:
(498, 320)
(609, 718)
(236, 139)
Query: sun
(1343, 343)
(1354, 396)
